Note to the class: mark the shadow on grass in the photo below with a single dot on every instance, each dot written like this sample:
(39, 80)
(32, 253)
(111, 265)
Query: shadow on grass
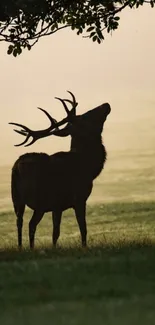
(121, 270)
(143, 247)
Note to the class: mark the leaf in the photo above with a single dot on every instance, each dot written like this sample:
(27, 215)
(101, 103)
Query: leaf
(99, 33)
(117, 18)
(53, 27)
(152, 3)
(10, 49)
(98, 40)
(108, 29)
(92, 34)
(80, 31)
(29, 47)
(94, 38)
(56, 26)
(19, 50)
(90, 28)
(12, 30)
(15, 52)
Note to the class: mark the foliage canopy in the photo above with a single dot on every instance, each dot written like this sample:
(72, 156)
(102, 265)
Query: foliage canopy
(24, 22)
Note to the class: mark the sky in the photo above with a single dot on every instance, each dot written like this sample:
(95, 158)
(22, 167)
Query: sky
(120, 71)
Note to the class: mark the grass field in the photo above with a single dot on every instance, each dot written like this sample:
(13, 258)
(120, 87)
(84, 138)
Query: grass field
(110, 282)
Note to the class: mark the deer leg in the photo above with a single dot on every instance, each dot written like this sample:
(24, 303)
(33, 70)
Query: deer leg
(36, 218)
(80, 211)
(56, 225)
(19, 222)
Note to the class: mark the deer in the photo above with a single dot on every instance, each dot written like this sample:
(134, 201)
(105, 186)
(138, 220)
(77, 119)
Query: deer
(63, 180)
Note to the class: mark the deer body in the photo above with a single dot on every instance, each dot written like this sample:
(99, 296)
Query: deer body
(62, 180)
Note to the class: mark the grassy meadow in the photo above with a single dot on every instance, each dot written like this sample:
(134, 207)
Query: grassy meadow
(110, 282)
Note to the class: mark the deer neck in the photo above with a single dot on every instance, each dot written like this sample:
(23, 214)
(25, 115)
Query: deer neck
(92, 156)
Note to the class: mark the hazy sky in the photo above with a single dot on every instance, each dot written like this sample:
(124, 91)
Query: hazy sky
(121, 71)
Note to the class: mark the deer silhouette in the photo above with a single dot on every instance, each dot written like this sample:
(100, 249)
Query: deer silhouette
(62, 180)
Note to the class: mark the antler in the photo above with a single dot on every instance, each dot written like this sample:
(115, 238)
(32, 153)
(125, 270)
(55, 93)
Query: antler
(34, 134)
(72, 102)
(54, 124)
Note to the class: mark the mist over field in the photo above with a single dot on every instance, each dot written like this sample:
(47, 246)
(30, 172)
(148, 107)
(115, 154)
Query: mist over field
(129, 173)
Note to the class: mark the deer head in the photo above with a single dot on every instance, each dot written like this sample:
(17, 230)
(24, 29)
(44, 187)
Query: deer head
(81, 126)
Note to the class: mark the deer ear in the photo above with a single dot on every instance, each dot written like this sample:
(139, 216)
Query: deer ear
(63, 132)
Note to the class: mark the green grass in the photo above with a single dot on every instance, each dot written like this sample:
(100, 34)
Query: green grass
(111, 282)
